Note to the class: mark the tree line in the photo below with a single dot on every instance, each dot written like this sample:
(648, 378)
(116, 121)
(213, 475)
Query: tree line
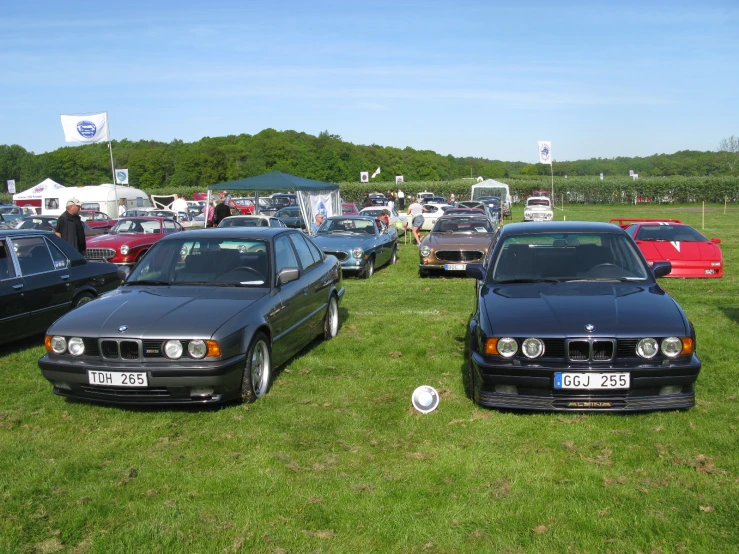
(178, 165)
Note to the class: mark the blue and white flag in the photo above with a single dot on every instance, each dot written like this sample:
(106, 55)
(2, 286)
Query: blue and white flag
(121, 176)
(85, 128)
(545, 152)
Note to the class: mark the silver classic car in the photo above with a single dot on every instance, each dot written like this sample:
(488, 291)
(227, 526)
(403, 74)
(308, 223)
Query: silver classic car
(204, 317)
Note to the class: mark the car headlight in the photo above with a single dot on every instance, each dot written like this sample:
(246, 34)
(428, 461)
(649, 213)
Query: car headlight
(173, 349)
(58, 344)
(425, 251)
(671, 347)
(76, 346)
(532, 348)
(124, 250)
(197, 348)
(647, 348)
(507, 347)
(357, 252)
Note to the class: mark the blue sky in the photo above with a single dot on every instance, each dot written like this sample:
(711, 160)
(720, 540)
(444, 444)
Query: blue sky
(484, 79)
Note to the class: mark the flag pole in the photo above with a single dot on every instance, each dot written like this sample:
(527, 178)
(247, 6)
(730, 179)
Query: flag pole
(112, 165)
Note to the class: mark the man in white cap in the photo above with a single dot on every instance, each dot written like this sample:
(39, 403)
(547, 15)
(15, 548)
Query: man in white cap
(69, 226)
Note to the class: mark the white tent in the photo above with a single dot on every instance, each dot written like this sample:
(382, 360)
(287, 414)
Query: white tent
(34, 195)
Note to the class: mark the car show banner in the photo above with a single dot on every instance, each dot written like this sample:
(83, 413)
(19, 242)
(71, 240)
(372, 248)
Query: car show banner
(545, 152)
(85, 128)
(121, 176)
(321, 204)
(364, 176)
(11, 186)
(398, 179)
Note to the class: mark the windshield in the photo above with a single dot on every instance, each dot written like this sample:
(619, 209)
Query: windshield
(463, 225)
(10, 210)
(538, 202)
(499, 191)
(243, 222)
(205, 262)
(340, 225)
(669, 233)
(45, 224)
(149, 226)
(373, 213)
(568, 257)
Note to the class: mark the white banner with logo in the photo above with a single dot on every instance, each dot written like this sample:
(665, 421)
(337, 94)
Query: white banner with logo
(85, 128)
(121, 176)
(364, 176)
(11, 186)
(545, 152)
(398, 179)
(321, 204)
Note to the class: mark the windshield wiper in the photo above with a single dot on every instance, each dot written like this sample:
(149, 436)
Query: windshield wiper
(148, 282)
(542, 280)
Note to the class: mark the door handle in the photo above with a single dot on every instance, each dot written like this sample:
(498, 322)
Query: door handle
(18, 286)
(65, 277)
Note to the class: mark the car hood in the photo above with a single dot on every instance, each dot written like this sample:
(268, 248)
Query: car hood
(114, 241)
(446, 241)
(564, 309)
(656, 251)
(158, 312)
(344, 242)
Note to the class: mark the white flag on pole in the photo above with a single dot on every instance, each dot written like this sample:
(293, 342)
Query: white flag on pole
(364, 176)
(376, 173)
(545, 152)
(121, 176)
(85, 128)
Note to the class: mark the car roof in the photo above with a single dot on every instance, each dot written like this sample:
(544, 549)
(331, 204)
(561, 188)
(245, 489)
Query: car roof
(359, 217)
(253, 216)
(544, 227)
(17, 232)
(232, 233)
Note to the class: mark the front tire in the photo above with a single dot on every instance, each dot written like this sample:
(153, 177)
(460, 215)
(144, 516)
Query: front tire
(394, 257)
(257, 370)
(331, 322)
(82, 298)
(369, 269)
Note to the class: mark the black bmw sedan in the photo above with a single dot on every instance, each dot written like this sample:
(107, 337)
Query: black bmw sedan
(569, 317)
(204, 317)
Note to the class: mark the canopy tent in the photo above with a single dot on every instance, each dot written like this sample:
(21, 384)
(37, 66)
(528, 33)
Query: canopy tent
(314, 197)
(33, 196)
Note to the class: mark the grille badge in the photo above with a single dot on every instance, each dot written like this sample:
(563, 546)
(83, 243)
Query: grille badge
(122, 329)
(590, 328)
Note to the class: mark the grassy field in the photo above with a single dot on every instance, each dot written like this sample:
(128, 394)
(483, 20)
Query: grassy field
(334, 459)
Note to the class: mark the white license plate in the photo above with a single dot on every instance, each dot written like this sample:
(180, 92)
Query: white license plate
(592, 381)
(455, 267)
(117, 379)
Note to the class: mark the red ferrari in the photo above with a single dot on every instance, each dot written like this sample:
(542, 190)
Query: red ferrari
(692, 255)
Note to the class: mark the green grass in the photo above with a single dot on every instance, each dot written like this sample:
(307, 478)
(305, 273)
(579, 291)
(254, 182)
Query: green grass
(333, 459)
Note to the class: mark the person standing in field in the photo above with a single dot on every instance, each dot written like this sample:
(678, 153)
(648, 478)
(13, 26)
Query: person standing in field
(222, 211)
(69, 226)
(401, 199)
(179, 204)
(416, 212)
(121, 207)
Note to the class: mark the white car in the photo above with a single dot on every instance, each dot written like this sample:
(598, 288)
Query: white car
(538, 208)
(183, 218)
(396, 220)
(432, 212)
(264, 221)
(425, 194)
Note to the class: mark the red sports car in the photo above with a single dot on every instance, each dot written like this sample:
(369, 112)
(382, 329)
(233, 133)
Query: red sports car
(692, 255)
(130, 239)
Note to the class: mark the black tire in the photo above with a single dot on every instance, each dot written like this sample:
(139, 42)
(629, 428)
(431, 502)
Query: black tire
(394, 257)
(257, 369)
(423, 273)
(369, 269)
(468, 379)
(331, 322)
(82, 298)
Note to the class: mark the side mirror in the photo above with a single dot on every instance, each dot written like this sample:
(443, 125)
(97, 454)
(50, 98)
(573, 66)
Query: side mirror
(660, 269)
(475, 270)
(123, 272)
(288, 275)
(716, 241)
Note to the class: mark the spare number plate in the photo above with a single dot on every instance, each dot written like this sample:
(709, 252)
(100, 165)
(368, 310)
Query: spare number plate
(592, 381)
(455, 267)
(117, 379)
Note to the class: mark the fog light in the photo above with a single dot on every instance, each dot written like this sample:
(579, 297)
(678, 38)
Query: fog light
(671, 389)
(62, 385)
(201, 391)
(506, 389)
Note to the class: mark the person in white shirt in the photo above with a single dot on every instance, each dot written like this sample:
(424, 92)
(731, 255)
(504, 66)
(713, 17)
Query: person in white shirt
(121, 207)
(401, 199)
(416, 212)
(180, 204)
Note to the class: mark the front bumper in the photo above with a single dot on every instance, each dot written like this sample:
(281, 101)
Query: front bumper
(169, 383)
(695, 270)
(535, 387)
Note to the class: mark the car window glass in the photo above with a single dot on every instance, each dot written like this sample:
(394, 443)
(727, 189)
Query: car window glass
(33, 255)
(317, 254)
(274, 223)
(6, 263)
(169, 226)
(58, 257)
(304, 253)
(284, 254)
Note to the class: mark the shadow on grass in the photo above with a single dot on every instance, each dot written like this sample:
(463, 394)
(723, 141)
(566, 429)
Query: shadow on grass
(731, 313)
(19, 345)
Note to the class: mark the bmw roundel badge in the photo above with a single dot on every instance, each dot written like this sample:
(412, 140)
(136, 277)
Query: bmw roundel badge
(122, 328)
(590, 328)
